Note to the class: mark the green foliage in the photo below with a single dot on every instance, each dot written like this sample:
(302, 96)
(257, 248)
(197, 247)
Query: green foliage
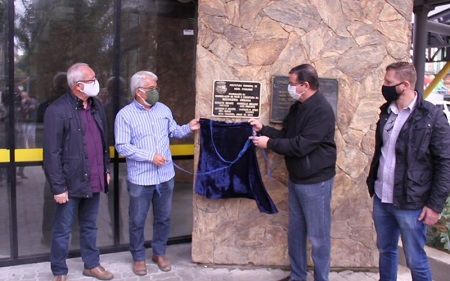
(438, 235)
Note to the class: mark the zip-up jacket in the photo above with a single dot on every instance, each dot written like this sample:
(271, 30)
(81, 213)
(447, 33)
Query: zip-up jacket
(66, 164)
(422, 151)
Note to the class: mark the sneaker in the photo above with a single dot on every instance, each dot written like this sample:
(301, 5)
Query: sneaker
(98, 272)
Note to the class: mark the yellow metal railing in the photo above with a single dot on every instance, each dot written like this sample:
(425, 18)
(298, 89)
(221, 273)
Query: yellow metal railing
(437, 79)
(36, 154)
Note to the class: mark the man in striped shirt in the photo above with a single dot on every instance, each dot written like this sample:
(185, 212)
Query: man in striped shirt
(142, 132)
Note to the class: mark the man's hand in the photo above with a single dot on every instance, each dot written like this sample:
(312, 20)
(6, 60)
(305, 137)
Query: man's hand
(108, 178)
(260, 141)
(159, 160)
(194, 124)
(256, 124)
(428, 216)
(62, 198)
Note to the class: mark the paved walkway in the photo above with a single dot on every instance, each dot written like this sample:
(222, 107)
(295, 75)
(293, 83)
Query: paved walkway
(182, 270)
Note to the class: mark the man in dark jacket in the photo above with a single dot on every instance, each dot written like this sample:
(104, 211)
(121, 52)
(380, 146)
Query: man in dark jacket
(409, 174)
(307, 143)
(76, 161)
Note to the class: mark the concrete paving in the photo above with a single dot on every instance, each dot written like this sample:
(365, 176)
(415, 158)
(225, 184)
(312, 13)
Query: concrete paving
(183, 269)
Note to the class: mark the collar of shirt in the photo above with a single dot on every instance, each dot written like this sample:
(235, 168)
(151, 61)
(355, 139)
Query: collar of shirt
(89, 103)
(411, 106)
(141, 107)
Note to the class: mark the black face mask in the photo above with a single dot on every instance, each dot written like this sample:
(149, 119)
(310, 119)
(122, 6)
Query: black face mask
(390, 93)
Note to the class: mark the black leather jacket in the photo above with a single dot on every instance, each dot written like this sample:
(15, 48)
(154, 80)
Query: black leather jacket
(66, 165)
(422, 168)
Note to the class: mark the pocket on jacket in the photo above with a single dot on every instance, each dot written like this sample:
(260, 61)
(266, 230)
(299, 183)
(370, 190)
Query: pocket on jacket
(418, 185)
(68, 167)
(420, 177)
(422, 136)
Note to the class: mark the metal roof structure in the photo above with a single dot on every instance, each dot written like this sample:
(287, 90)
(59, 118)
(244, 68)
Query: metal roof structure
(431, 34)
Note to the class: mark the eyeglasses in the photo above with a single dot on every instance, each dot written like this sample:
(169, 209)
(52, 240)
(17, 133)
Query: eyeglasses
(152, 88)
(390, 124)
(87, 81)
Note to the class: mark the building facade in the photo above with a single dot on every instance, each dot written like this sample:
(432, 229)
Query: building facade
(189, 45)
(41, 38)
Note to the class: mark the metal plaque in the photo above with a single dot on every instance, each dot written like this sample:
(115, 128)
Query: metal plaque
(236, 99)
(281, 101)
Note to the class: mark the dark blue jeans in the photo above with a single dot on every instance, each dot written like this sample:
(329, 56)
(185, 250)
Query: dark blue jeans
(390, 223)
(310, 216)
(62, 225)
(141, 197)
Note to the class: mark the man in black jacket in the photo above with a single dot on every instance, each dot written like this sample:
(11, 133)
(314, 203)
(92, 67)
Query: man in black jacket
(307, 143)
(76, 161)
(409, 174)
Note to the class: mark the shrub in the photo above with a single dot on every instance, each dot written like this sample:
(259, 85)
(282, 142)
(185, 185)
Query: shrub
(438, 235)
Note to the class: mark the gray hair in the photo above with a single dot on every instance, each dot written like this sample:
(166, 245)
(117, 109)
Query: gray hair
(75, 73)
(137, 80)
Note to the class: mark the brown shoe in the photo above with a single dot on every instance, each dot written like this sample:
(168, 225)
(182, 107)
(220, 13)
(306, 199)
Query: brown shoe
(140, 268)
(162, 262)
(98, 272)
(60, 278)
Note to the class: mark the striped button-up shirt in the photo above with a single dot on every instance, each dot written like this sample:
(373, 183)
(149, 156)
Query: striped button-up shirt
(141, 133)
(384, 185)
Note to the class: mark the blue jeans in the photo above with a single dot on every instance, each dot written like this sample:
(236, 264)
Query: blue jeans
(310, 216)
(62, 225)
(390, 223)
(141, 196)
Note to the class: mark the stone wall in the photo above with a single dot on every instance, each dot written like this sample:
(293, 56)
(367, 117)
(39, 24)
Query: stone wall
(252, 40)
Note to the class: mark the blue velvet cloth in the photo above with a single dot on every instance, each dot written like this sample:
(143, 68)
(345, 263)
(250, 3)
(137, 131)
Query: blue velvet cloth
(227, 167)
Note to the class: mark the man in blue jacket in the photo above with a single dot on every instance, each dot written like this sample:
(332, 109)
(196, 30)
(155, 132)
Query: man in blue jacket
(76, 161)
(410, 172)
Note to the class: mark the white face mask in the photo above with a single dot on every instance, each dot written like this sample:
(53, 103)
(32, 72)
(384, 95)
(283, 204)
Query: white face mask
(293, 92)
(91, 89)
